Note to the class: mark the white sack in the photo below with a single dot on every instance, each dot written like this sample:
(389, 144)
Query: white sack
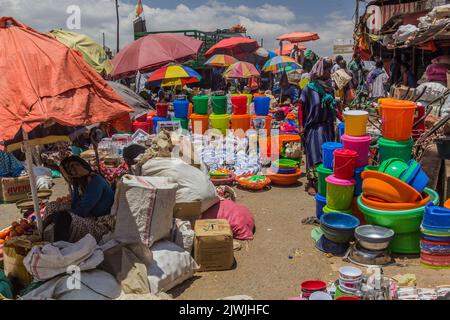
(183, 235)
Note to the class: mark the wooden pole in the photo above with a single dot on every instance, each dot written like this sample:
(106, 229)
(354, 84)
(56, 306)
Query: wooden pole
(118, 26)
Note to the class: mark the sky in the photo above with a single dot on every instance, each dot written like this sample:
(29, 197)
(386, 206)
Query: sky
(266, 19)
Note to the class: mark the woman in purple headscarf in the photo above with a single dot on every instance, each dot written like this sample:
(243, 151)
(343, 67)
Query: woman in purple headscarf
(319, 116)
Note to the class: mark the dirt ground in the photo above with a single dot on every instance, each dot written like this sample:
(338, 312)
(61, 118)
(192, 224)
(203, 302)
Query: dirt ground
(263, 269)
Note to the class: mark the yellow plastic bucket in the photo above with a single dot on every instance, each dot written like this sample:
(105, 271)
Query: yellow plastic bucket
(220, 122)
(356, 123)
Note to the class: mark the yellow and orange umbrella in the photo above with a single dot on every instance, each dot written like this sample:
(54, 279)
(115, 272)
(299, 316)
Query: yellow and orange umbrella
(242, 70)
(221, 60)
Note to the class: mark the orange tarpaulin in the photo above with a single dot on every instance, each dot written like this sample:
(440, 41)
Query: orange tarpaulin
(44, 81)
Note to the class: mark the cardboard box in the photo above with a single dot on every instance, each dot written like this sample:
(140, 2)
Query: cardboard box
(213, 245)
(187, 210)
(401, 91)
(14, 189)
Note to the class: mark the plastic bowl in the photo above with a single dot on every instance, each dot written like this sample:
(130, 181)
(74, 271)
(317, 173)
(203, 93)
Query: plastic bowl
(246, 184)
(285, 164)
(339, 236)
(284, 179)
(350, 273)
(436, 217)
(388, 188)
(386, 206)
(340, 221)
(393, 167)
(313, 286)
(283, 171)
(320, 296)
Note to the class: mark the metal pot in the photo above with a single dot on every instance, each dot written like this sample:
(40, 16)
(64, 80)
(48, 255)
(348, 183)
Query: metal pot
(374, 237)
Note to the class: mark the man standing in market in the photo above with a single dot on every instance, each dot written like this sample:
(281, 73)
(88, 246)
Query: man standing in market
(356, 67)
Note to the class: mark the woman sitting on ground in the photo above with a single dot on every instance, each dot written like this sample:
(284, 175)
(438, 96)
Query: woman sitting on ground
(87, 210)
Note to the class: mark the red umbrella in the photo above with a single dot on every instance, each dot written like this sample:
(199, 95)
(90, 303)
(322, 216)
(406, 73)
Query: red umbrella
(238, 47)
(288, 48)
(154, 51)
(299, 37)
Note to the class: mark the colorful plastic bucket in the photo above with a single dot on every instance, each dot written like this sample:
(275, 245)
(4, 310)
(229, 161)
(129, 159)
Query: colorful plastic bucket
(356, 123)
(345, 163)
(323, 174)
(162, 110)
(327, 210)
(201, 104)
(321, 202)
(359, 144)
(406, 224)
(199, 123)
(397, 118)
(184, 122)
(262, 106)
(389, 149)
(181, 109)
(358, 179)
(220, 122)
(219, 105)
(240, 105)
(141, 125)
(341, 127)
(415, 176)
(267, 119)
(241, 122)
(156, 121)
(340, 193)
(328, 149)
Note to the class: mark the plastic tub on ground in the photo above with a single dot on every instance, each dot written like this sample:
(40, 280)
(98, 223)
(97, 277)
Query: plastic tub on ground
(359, 144)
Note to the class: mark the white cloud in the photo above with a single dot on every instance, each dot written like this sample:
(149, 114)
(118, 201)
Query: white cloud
(262, 22)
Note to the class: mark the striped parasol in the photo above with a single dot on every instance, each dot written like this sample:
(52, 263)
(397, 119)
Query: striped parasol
(242, 70)
(280, 64)
(173, 75)
(221, 60)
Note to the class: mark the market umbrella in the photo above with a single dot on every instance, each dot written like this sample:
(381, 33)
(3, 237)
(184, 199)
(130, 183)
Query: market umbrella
(221, 60)
(297, 37)
(140, 106)
(238, 47)
(242, 70)
(173, 75)
(92, 52)
(152, 52)
(287, 49)
(281, 63)
(44, 83)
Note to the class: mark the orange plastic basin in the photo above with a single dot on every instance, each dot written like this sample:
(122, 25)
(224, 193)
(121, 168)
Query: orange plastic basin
(379, 204)
(388, 188)
(284, 179)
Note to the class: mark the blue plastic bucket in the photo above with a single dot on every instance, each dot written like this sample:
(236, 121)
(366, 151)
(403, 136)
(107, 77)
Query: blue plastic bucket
(181, 109)
(262, 106)
(359, 182)
(328, 149)
(341, 127)
(321, 202)
(156, 121)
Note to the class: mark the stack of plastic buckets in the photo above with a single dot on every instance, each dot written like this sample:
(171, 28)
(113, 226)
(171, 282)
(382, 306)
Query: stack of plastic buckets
(181, 109)
(219, 119)
(240, 119)
(397, 118)
(262, 108)
(162, 112)
(324, 171)
(200, 118)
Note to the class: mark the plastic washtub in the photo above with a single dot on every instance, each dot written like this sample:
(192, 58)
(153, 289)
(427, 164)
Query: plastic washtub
(406, 224)
(356, 123)
(328, 149)
(340, 193)
(201, 104)
(390, 149)
(397, 119)
(323, 174)
(359, 144)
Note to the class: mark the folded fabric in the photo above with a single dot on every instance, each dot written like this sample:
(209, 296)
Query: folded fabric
(46, 262)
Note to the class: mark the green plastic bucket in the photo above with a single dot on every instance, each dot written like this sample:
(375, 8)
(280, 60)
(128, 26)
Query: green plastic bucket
(406, 224)
(390, 149)
(219, 104)
(323, 173)
(220, 122)
(327, 209)
(201, 104)
(184, 122)
(340, 193)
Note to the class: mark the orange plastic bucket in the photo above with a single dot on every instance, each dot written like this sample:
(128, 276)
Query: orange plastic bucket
(240, 121)
(397, 119)
(200, 123)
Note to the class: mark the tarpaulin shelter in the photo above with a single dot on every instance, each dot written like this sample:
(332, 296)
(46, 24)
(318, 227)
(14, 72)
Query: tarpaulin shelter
(92, 52)
(42, 83)
(152, 52)
(238, 47)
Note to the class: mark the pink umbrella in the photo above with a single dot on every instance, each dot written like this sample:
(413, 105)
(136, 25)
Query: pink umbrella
(152, 52)
(237, 47)
(288, 48)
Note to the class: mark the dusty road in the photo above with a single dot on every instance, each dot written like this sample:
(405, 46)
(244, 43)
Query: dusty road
(263, 269)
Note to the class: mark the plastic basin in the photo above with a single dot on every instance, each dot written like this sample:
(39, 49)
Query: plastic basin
(406, 224)
(390, 149)
(321, 202)
(394, 167)
(397, 118)
(345, 163)
(387, 188)
(323, 174)
(436, 217)
(388, 206)
(220, 122)
(356, 123)
(285, 164)
(415, 176)
(328, 149)
(201, 104)
(340, 193)
(219, 104)
(359, 144)
(199, 123)
(340, 221)
(284, 179)
(262, 106)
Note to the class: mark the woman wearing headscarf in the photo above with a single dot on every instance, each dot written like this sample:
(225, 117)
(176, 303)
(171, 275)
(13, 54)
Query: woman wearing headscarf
(87, 209)
(310, 58)
(319, 114)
